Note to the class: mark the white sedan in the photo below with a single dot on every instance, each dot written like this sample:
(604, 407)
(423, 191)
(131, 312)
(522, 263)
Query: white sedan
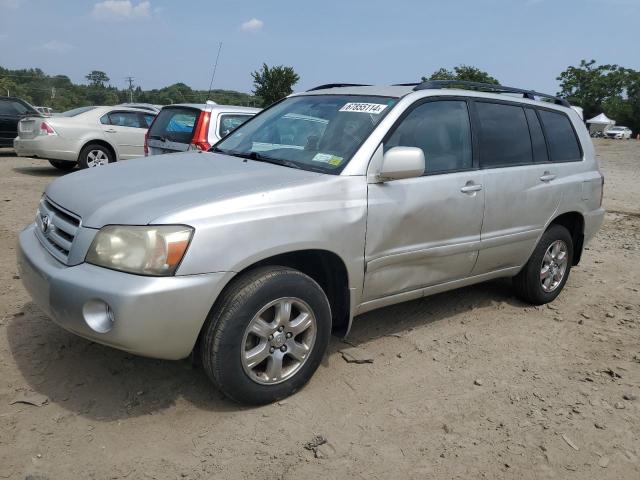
(85, 136)
(621, 133)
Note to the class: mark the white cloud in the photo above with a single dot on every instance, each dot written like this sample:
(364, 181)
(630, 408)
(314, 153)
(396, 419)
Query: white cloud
(58, 47)
(252, 25)
(121, 10)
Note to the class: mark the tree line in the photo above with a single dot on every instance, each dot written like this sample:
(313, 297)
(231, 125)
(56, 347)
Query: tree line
(597, 88)
(60, 93)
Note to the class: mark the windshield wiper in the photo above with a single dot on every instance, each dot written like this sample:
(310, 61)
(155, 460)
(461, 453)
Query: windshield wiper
(258, 157)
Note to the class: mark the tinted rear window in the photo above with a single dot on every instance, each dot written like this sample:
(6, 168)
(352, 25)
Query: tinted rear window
(175, 124)
(504, 138)
(563, 144)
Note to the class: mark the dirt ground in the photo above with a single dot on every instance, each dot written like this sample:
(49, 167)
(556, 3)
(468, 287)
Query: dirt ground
(466, 384)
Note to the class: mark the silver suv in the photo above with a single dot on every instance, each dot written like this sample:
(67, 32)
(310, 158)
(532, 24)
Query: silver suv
(328, 204)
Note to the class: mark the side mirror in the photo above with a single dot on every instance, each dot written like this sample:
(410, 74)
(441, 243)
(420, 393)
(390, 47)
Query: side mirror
(402, 162)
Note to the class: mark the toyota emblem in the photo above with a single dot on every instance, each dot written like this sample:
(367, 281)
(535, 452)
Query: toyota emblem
(45, 223)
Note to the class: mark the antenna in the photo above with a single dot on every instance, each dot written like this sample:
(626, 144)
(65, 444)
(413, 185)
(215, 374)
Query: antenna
(215, 67)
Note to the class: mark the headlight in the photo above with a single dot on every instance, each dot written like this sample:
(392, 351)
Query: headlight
(146, 250)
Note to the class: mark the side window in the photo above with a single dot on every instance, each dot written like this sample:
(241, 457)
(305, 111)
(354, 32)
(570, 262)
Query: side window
(104, 119)
(229, 123)
(537, 137)
(563, 144)
(20, 108)
(504, 135)
(442, 130)
(148, 119)
(125, 119)
(6, 108)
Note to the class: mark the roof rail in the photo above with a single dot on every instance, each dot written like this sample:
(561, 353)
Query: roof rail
(487, 87)
(336, 85)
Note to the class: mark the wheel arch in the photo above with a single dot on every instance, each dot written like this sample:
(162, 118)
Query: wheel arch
(101, 142)
(325, 267)
(574, 222)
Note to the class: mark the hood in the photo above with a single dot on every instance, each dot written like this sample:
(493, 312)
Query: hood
(135, 192)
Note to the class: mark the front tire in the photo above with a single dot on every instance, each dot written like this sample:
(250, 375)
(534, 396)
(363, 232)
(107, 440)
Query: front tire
(547, 271)
(63, 165)
(95, 155)
(267, 335)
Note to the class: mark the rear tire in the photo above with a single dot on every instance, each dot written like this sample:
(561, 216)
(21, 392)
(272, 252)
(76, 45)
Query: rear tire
(95, 155)
(254, 348)
(545, 274)
(63, 165)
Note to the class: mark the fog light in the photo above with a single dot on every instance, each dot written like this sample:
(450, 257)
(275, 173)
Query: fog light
(98, 315)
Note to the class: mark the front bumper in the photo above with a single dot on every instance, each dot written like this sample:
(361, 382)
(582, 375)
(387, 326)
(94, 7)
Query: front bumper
(45, 146)
(157, 317)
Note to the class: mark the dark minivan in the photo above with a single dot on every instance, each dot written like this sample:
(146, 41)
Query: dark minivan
(12, 110)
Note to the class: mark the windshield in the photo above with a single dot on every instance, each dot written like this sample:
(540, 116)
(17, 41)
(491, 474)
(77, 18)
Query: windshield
(76, 111)
(315, 132)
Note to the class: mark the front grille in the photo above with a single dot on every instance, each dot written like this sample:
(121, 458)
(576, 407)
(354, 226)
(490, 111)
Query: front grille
(57, 228)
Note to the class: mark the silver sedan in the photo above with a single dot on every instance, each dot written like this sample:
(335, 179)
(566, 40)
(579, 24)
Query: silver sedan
(85, 136)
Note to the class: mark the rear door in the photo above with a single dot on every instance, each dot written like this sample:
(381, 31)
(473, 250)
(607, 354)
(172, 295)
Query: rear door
(521, 194)
(172, 130)
(126, 130)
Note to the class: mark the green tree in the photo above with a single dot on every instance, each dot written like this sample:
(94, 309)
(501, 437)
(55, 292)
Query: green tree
(464, 73)
(273, 83)
(590, 86)
(97, 78)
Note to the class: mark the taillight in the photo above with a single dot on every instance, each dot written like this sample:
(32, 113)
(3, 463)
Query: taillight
(146, 143)
(201, 133)
(601, 188)
(46, 129)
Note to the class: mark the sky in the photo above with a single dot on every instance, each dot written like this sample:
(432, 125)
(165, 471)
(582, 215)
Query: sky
(523, 43)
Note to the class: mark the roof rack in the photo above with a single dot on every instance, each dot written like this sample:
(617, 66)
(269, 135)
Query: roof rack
(487, 87)
(337, 85)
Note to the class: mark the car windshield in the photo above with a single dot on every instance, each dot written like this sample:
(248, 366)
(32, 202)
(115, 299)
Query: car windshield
(76, 111)
(314, 132)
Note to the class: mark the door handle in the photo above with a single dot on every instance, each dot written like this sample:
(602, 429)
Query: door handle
(547, 177)
(111, 131)
(471, 187)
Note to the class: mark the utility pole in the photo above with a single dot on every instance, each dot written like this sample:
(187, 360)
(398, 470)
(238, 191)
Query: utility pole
(130, 80)
(53, 93)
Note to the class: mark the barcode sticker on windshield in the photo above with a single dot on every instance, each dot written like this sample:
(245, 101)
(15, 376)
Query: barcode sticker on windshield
(374, 108)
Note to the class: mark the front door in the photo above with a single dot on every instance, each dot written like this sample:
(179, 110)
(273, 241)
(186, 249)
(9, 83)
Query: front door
(426, 231)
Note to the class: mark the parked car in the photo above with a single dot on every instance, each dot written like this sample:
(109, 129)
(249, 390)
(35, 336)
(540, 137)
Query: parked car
(143, 106)
(85, 136)
(326, 205)
(12, 110)
(46, 111)
(620, 133)
(191, 126)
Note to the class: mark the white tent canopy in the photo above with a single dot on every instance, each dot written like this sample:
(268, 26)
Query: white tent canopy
(601, 119)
